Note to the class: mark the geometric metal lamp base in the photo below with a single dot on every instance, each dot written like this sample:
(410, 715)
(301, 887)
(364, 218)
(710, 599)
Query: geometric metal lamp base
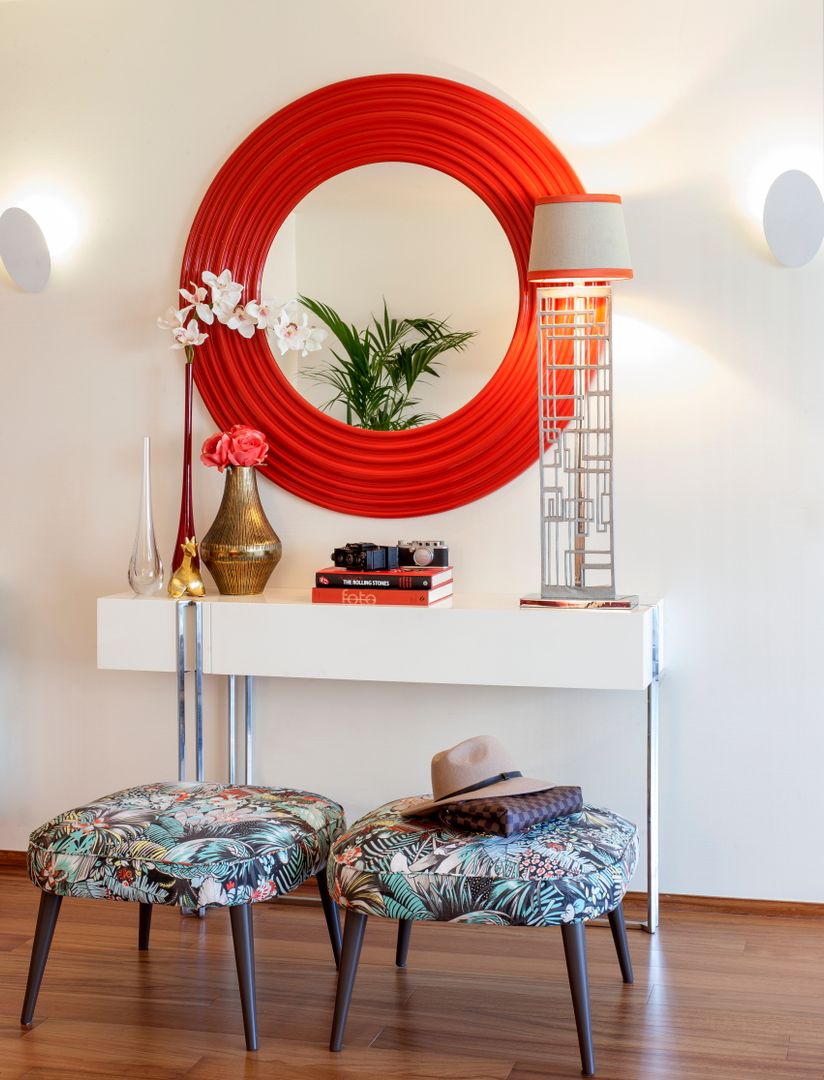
(617, 602)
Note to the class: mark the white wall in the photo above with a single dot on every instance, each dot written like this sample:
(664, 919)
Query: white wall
(129, 110)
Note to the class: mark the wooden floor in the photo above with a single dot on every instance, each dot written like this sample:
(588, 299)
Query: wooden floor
(716, 997)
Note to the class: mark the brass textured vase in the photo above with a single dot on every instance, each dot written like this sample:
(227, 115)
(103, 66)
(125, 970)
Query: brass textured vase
(241, 549)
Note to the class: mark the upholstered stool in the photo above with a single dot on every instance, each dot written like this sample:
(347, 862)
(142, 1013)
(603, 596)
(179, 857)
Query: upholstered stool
(563, 873)
(195, 845)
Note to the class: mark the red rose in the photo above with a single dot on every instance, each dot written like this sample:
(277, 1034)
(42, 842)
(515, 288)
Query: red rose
(247, 447)
(215, 451)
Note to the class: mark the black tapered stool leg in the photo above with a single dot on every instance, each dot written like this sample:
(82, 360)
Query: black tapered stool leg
(619, 936)
(352, 941)
(144, 927)
(404, 936)
(330, 911)
(576, 961)
(43, 934)
(243, 939)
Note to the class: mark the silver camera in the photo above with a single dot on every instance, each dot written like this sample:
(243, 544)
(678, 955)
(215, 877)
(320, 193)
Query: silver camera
(423, 553)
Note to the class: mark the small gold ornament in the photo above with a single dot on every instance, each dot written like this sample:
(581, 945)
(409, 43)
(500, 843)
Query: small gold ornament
(186, 581)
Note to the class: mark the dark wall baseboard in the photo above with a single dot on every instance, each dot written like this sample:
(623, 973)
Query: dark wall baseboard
(733, 905)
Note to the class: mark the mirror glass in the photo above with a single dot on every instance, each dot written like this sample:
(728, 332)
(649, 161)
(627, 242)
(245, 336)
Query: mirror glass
(419, 240)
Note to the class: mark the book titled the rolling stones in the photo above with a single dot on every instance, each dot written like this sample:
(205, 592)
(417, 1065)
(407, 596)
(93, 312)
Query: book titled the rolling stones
(407, 577)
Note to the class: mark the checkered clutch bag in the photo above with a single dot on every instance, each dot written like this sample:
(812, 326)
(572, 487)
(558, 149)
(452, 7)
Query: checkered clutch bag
(512, 813)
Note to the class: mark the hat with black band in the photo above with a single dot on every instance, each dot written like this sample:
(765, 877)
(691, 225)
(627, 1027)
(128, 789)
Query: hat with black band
(478, 768)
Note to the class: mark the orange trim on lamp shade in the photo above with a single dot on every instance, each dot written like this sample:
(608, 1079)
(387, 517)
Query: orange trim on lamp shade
(476, 139)
(598, 273)
(576, 198)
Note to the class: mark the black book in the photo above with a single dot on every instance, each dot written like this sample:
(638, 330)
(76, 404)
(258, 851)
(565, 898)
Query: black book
(407, 577)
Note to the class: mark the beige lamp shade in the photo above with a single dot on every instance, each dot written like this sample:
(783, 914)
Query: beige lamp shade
(579, 237)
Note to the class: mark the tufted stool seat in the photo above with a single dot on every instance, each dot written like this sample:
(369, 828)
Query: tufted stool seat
(562, 872)
(195, 845)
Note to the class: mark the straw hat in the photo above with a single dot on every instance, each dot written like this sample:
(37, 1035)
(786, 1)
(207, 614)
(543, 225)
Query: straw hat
(478, 768)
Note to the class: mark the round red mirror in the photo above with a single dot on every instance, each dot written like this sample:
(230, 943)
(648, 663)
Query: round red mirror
(469, 135)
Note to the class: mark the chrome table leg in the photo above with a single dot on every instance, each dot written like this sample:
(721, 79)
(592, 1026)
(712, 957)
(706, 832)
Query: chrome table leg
(181, 688)
(250, 735)
(231, 723)
(198, 693)
(651, 924)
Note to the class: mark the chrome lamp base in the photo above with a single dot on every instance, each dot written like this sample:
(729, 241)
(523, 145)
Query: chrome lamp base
(621, 603)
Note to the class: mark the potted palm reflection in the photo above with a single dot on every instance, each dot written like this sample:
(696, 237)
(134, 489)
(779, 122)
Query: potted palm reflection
(375, 374)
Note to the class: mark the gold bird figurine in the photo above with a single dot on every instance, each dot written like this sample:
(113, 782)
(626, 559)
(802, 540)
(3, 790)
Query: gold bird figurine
(186, 581)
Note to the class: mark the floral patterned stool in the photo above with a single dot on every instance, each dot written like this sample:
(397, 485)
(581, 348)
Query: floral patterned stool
(192, 844)
(562, 872)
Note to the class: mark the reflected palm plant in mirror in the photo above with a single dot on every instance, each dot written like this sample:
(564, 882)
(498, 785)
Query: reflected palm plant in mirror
(374, 376)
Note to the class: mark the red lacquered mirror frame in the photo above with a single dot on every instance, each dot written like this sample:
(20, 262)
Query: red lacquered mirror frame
(469, 135)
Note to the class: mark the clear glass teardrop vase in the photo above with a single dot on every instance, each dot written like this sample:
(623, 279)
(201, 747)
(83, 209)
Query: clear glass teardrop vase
(145, 567)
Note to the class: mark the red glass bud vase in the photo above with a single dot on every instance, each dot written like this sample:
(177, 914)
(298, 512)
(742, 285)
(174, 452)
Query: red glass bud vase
(186, 526)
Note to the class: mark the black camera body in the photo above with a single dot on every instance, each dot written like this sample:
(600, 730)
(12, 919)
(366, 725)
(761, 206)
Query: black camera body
(365, 556)
(423, 553)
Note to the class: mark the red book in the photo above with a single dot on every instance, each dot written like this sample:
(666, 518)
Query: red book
(370, 597)
(407, 577)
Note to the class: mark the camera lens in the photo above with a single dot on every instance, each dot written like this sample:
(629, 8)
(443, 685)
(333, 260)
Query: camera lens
(423, 556)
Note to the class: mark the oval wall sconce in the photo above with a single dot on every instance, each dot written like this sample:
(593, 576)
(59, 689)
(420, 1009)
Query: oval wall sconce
(24, 250)
(794, 218)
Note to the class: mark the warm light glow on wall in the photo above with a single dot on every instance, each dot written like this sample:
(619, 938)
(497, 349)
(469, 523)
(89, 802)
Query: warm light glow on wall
(654, 364)
(603, 122)
(635, 342)
(56, 217)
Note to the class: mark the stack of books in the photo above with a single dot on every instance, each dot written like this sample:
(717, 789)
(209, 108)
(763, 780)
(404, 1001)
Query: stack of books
(409, 585)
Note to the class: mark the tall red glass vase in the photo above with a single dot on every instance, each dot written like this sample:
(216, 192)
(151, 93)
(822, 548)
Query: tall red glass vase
(186, 526)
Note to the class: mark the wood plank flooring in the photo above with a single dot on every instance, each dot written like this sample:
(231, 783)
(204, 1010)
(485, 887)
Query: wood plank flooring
(716, 997)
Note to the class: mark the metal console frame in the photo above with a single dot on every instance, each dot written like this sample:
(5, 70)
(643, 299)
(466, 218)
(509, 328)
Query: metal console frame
(231, 716)
(182, 607)
(650, 924)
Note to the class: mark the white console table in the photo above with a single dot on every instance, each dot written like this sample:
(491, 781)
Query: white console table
(479, 641)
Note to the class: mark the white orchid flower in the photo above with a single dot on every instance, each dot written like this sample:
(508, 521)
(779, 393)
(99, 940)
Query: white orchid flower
(196, 298)
(293, 332)
(225, 292)
(224, 312)
(172, 319)
(243, 322)
(265, 313)
(314, 342)
(191, 334)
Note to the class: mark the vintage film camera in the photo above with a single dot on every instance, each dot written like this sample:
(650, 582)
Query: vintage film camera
(423, 553)
(364, 556)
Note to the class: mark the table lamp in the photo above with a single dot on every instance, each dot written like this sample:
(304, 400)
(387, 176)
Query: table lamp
(579, 246)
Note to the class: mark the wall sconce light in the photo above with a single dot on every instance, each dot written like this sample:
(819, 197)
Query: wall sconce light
(24, 250)
(794, 218)
(579, 246)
